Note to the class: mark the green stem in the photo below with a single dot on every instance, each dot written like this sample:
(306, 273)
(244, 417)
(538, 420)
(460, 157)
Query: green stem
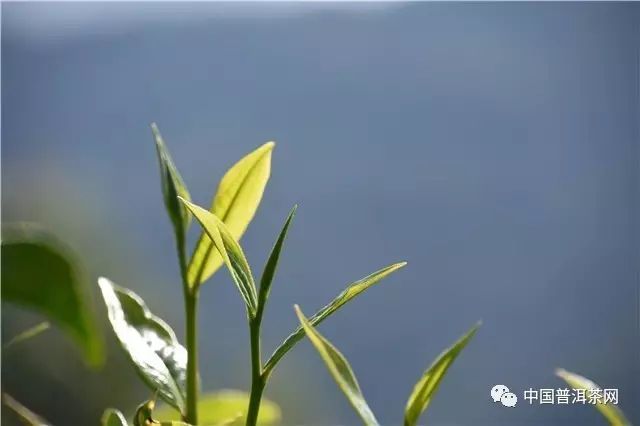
(191, 313)
(257, 380)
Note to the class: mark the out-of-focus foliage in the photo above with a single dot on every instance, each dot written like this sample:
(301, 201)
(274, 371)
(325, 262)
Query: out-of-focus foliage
(611, 412)
(225, 406)
(41, 273)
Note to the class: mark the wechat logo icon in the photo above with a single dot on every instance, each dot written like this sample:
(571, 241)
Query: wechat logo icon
(501, 393)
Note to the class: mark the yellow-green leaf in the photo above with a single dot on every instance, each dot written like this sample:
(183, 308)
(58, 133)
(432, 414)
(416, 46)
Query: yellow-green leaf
(113, 417)
(352, 291)
(151, 344)
(340, 369)
(231, 252)
(172, 186)
(226, 407)
(39, 272)
(235, 203)
(428, 383)
(611, 412)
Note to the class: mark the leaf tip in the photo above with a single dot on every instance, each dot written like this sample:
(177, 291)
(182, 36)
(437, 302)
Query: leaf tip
(268, 146)
(104, 282)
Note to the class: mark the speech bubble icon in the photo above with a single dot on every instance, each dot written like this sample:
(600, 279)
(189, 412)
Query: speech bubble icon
(509, 399)
(497, 391)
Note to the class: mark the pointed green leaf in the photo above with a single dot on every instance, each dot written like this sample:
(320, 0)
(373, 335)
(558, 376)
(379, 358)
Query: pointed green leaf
(611, 412)
(272, 264)
(28, 334)
(231, 252)
(150, 343)
(227, 407)
(172, 186)
(113, 417)
(352, 291)
(235, 203)
(26, 415)
(340, 370)
(428, 383)
(41, 273)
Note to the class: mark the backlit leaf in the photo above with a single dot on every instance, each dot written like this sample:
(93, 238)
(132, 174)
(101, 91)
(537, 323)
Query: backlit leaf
(428, 383)
(150, 343)
(226, 407)
(232, 254)
(172, 186)
(352, 291)
(113, 417)
(610, 411)
(272, 264)
(40, 273)
(340, 370)
(235, 203)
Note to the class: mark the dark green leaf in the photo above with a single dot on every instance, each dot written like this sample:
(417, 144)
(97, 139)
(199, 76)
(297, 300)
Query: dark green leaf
(428, 384)
(235, 203)
(113, 417)
(347, 295)
(340, 369)
(172, 186)
(231, 252)
(272, 264)
(611, 412)
(40, 273)
(150, 343)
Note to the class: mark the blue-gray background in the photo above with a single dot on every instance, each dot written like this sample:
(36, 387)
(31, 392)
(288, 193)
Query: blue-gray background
(492, 146)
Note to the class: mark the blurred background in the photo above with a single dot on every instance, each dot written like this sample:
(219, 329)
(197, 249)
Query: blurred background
(492, 146)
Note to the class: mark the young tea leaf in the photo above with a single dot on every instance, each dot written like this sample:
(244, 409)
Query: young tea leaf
(428, 384)
(611, 412)
(352, 291)
(340, 370)
(235, 203)
(227, 407)
(231, 252)
(27, 334)
(172, 186)
(113, 417)
(40, 273)
(272, 264)
(150, 343)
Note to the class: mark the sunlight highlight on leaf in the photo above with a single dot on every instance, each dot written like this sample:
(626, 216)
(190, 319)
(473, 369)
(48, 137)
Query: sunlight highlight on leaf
(340, 370)
(428, 384)
(231, 252)
(611, 412)
(350, 293)
(235, 203)
(151, 344)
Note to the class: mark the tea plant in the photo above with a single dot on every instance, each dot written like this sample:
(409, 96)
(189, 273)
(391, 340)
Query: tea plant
(32, 260)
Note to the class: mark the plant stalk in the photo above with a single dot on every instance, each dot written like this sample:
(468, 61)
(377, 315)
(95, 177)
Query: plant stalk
(191, 314)
(258, 381)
